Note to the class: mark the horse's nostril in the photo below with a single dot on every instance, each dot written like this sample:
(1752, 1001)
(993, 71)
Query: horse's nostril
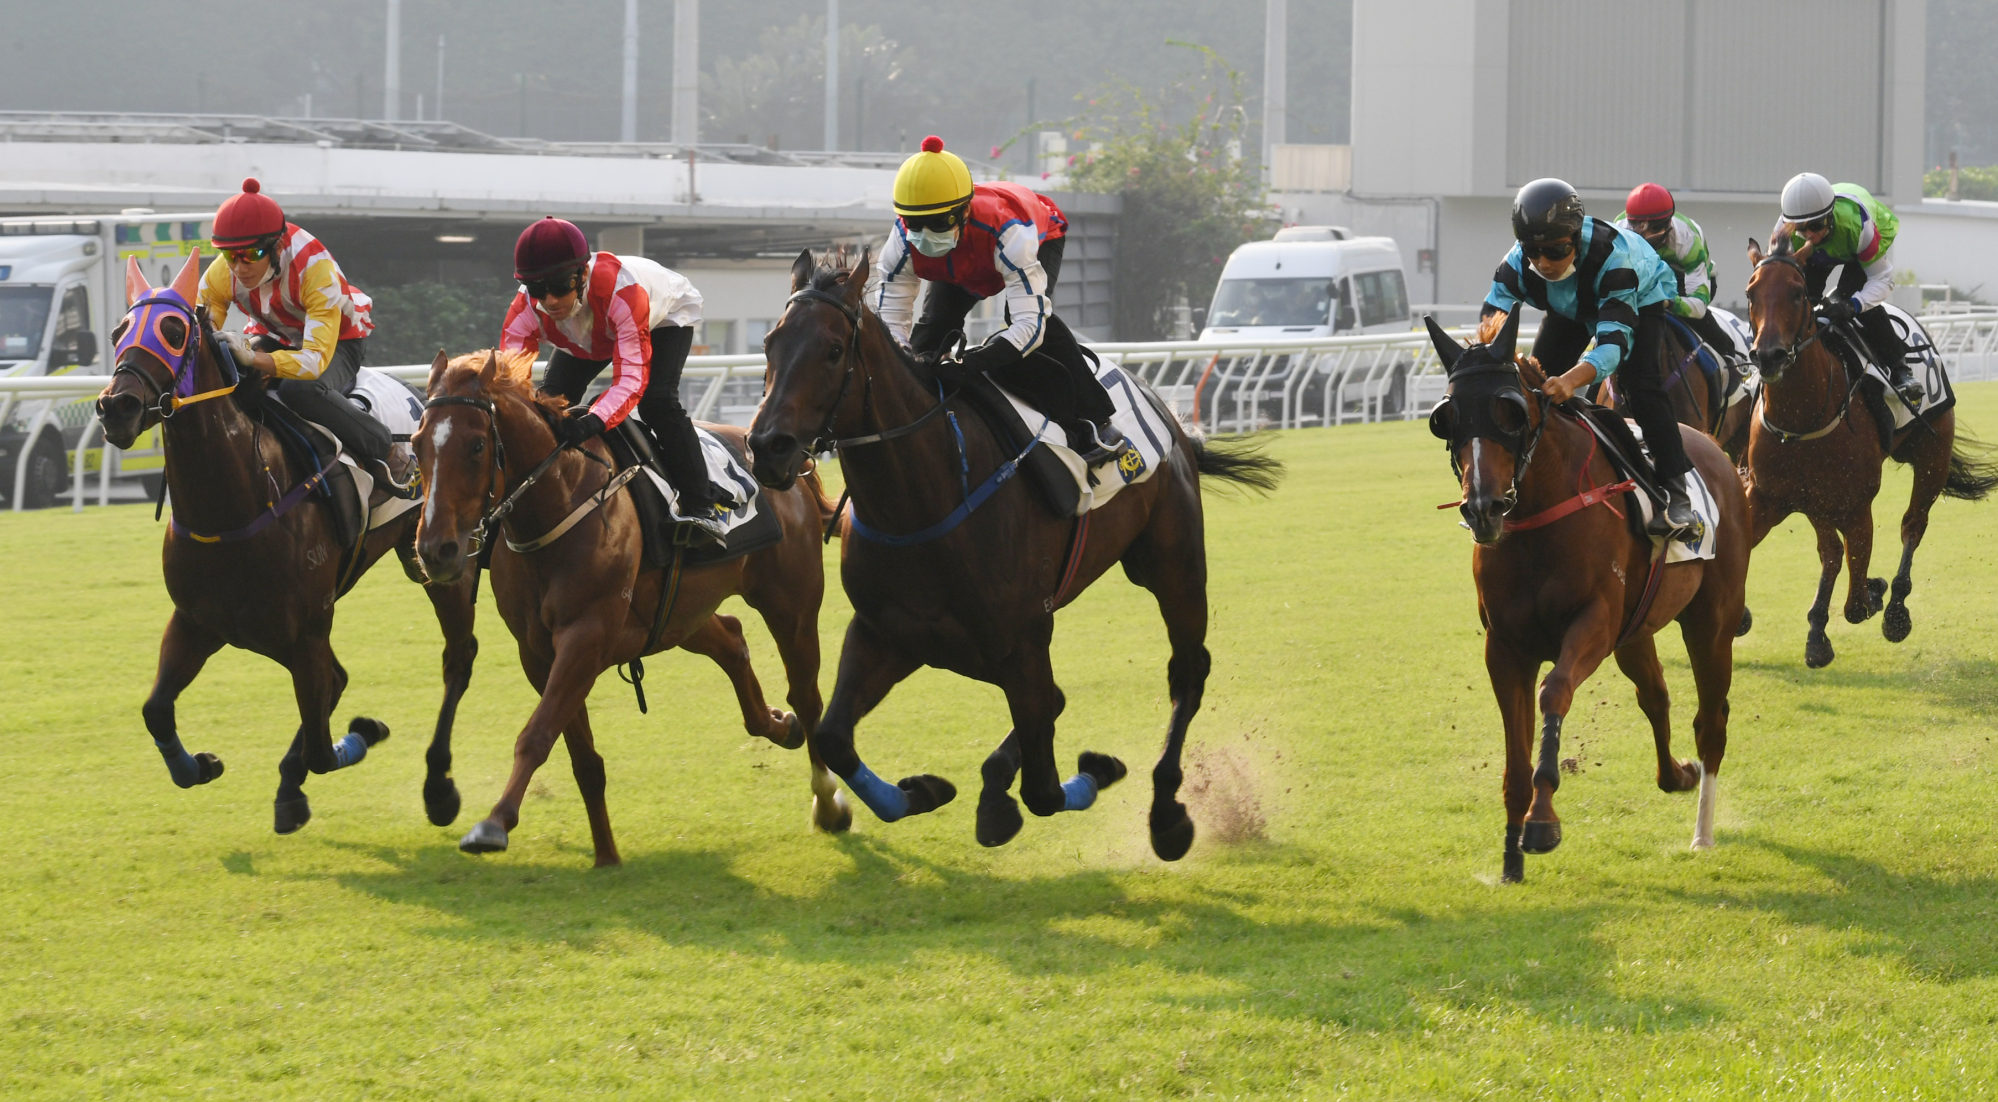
(448, 549)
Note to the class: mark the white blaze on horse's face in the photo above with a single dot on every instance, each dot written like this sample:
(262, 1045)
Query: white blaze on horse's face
(1474, 472)
(438, 439)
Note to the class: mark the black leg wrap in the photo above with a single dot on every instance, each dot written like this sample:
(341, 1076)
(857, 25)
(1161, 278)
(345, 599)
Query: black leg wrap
(1515, 859)
(1549, 770)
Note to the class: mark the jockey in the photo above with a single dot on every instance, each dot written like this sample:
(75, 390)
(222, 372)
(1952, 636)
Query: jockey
(308, 326)
(1594, 280)
(970, 242)
(598, 309)
(1851, 231)
(1651, 213)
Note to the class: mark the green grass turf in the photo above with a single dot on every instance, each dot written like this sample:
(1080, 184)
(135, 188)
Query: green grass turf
(1337, 931)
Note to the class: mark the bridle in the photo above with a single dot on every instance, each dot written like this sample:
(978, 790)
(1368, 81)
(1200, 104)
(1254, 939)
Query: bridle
(146, 330)
(1809, 332)
(823, 440)
(1521, 444)
(493, 513)
(1790, 353)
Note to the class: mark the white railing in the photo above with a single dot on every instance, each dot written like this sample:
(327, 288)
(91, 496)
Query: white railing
(1223, 386)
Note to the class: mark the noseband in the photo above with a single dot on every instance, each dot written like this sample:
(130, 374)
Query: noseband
(1802, 340)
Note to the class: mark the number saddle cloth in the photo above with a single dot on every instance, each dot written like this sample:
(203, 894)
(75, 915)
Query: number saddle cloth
(1137, 413)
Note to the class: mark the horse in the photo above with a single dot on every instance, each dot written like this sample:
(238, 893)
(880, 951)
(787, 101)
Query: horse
(1813, 450)
(579, 599)
(246, 567)
(1561, 577)
(1694, 401)
(976, 591)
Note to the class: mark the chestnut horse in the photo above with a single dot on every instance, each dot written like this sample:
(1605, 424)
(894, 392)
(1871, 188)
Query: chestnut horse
(243, 565)
(1814, 450)
(582, 601)
(1562, 578)
(974, 592)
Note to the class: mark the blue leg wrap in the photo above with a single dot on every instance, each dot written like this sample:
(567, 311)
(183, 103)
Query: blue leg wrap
(887, 801)
(1078, 792)
(350, 749)
(186, 772)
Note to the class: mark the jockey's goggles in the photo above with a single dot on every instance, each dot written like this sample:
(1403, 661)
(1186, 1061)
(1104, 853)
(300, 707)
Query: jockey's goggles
(943, 222)
(1651, 226)
(1817, 225)
(1546, 250)
(550, 286)
(249, 255)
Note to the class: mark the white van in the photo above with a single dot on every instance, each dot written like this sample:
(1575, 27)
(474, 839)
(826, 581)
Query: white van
(1309, 281)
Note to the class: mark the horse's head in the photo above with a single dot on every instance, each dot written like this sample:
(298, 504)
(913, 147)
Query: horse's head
(1779, 305)
(811, 358)
(459, 454)
(1488, 424)
(156, 351)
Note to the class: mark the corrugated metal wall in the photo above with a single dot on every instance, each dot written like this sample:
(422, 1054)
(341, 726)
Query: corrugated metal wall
(1609, 95)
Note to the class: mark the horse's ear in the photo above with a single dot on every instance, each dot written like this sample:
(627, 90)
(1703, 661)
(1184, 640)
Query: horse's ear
(1508, 337)
(187, 284)
(1447, 348)
(1754, 254)
(489, 371)
(135, 281)
(856, 278)
(1803, 251)
(801, 271)
(436, 372)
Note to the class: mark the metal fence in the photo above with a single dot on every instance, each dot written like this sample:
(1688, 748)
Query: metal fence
(1222, 386)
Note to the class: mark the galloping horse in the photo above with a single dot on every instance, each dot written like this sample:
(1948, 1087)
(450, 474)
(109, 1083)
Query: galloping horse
(974, 592)
(243, 565)
(1694, 402)
(579, 599)
(1562, 578)
(1824, 460)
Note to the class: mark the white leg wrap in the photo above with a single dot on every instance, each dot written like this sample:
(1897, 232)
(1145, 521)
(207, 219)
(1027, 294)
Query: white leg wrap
(1703, 827)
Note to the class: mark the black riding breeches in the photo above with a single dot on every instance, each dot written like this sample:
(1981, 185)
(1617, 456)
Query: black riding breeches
(324, 401)
(658, 406)
(1874, 324)
(1638, 379)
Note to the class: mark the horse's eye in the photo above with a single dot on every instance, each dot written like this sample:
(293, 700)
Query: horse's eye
(1443, 420)
(835, 352)
(174, 331)
(1509, 415)
(478, 447)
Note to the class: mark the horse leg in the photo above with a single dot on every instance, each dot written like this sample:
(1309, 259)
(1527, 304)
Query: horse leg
(868, 668)
(1638, 659)
(1763, 516)
(720, 640)
(1711, 647)
(1512, 683)
(564, 683)
(317, 681)
(1034, 701)
(1817, 645)
(588, 766)
(1863, 594)
(455, 610)
(1931, 463)
(184, 648)
(1169, 558)
(797, 633)
(1583, 648)
(998, 814)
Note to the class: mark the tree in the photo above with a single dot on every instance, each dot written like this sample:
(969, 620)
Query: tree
(777, 94)
(1188, 196)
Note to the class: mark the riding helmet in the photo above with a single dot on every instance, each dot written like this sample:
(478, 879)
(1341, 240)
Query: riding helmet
(1807, 198)
(1546, 209)
(246, 218)
(931, 181)
(1649, 203)
(547, 247)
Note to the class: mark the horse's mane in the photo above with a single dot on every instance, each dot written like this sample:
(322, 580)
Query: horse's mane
(513, 378)
(831, 274)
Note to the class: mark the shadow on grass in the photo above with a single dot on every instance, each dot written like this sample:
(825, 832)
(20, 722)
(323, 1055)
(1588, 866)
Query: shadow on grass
(1401, 968)
(1968, 685)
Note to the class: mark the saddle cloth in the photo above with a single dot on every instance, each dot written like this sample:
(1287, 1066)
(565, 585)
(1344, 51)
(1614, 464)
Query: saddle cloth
(1938, 394)
(1148, 436)
(1704, 507)
(1745, 383)
(724, 470)
(392, 402)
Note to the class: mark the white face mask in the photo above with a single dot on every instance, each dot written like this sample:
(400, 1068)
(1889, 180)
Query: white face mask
(933, 244)
(1567, 271)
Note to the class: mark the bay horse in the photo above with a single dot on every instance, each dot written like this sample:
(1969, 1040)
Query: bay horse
(1694, 402)
(1562, 578)
(1814, 450)
(244, 566)
(974, 592)
(579, 599)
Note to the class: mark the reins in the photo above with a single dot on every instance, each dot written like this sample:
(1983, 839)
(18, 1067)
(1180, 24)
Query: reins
(493, 517)
(1790, 353)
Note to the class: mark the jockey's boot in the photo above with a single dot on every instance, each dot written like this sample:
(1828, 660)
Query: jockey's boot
(1902, 379)
(1093, 442)
(706, 521)
(383, 473)
(1677, 519)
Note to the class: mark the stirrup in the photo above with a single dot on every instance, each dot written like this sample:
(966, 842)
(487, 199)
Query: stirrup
(1104, 443)
(1904, 383)
(385, 478)
(708, 525)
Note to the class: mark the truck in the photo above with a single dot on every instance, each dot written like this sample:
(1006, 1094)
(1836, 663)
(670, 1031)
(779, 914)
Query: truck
(62, 291)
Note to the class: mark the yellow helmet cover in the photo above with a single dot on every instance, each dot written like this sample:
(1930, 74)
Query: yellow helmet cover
(931, 181)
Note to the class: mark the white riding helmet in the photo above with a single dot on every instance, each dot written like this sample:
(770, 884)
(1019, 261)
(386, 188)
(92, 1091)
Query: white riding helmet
(1807, 197)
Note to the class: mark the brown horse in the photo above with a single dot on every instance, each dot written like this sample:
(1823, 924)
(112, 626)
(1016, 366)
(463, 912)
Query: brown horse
(1694, 402)
(1562, 578)
(976, 591)
(583, 602)
(1814, 450)
(243, 565)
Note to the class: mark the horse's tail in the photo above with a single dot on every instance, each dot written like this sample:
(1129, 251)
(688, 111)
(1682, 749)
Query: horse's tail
(1239, 460)
(1972, 474)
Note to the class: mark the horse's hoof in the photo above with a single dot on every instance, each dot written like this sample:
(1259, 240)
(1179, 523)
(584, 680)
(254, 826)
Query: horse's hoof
(440, 801)
(1515, 869)
(834, 816)
(1172, 831)
(999, 818)
(1817, 652)
(1897, 623)
(1702, 844)
(371, 731)
(1876, 593)
(794, 732)
(1540, 836)
(485, 837)
(211, 766)
(1747, 621)
(1102, 768)
(926, 792)
(292, 814)
(1860, 615)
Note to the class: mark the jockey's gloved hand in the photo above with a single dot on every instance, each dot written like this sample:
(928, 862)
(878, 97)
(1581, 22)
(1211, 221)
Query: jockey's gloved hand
(1841, 309)
(572, 430)
(239, 346)
(991, 355)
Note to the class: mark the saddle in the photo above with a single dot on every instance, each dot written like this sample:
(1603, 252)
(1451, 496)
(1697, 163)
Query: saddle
(631, 445)
(1712, 371)
(1056, 486)
(311, 449)
(1624, 452)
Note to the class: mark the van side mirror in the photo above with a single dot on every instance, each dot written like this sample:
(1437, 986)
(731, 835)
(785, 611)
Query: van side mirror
(1347, 320)
(77, 347)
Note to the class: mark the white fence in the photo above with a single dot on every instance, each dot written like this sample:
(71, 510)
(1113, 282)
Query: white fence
(1221, 386)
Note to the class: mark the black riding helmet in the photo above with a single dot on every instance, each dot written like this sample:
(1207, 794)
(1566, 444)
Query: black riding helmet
(1546, 209)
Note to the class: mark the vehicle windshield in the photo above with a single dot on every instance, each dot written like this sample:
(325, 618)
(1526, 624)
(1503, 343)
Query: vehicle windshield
(24, 317)
(1247, 302)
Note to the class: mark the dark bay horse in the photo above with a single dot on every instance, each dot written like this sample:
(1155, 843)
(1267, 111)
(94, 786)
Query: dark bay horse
(979, 598)
(1562, 578)
(246, 568)
(1814, 450)
(1694, 402)
(583, 602)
